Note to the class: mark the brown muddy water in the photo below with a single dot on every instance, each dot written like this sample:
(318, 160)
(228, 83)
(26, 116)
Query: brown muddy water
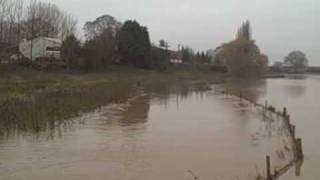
(177, 133)
(301, 96)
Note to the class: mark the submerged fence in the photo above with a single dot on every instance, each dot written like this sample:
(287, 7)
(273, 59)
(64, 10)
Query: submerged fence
(270, 112)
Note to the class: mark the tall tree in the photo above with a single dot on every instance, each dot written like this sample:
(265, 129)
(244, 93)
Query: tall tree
(243, 56)
(95, 28)
(245, 31)
(99, 51)
(187, 54)
(134, 44)
(70, 51)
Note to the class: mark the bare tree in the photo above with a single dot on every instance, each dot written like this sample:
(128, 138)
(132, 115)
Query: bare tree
(68, 26)
(32, 12)
(11, 13)
(3, 16)
(19, 14)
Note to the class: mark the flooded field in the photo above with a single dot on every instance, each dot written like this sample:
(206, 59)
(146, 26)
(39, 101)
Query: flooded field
(169, 132)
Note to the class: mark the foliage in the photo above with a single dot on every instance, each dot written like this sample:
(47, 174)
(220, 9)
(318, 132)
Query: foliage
(20, 19)
(202, 58)
(242, 55)
(296, 59)
(187, 54)
(159, 58)
(163, 44)
(134, 44)
(99, 51)
(97, 27)
(70, 51)
(244, 59)
(245, 31)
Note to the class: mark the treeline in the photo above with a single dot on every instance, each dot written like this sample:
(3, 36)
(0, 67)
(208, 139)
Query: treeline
(108, 41)
(200, 57)
(20, 19)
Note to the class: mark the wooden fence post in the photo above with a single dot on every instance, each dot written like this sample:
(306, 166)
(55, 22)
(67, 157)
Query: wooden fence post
(287, 120)
(299, 152)
(268, 168)
(293, 131)
(284, 112)
(266, 104)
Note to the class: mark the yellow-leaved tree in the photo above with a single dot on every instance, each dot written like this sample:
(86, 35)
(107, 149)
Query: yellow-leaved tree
(243, 57)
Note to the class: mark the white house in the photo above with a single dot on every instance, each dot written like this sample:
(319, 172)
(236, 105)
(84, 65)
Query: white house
(41, 47)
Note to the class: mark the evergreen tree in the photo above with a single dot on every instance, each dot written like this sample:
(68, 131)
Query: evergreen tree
(70, 51)
(134, 44)
(245, 31)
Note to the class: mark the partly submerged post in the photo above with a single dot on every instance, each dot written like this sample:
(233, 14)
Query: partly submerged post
(299, 152)
(287, 120)
(266, 104)
(268, 168)
(284, 112)
(293, 131)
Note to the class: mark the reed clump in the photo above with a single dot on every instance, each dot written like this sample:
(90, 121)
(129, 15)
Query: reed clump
(44, 111)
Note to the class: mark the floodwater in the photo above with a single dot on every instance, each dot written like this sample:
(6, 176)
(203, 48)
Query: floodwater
(175, 133)
(302, 98)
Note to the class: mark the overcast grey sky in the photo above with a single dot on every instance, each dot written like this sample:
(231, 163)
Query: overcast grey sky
(279, 26)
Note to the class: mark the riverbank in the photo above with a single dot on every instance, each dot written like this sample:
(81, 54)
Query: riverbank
(26, 82)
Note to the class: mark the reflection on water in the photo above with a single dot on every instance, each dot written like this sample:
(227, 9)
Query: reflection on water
(136, 111)
(300, 96)
(298, 166)
(295, 91)
(49, 112)
(162, 131)
(250, 89)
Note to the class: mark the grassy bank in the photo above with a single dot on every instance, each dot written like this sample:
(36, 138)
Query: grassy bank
(27, 82)
(37, 101)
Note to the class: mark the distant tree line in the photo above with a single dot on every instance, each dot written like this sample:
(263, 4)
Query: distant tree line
(189, 56)
(111, 42)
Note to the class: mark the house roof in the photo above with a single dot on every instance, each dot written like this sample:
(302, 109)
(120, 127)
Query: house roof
(52, 39)
(173, 54)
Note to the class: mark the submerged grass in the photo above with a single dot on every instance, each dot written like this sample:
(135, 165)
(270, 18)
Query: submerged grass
(37, 101)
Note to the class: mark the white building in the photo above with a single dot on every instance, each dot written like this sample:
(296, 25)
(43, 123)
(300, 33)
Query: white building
(41, 47)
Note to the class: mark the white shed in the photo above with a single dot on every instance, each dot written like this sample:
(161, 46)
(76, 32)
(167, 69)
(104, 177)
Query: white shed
(41, 47)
